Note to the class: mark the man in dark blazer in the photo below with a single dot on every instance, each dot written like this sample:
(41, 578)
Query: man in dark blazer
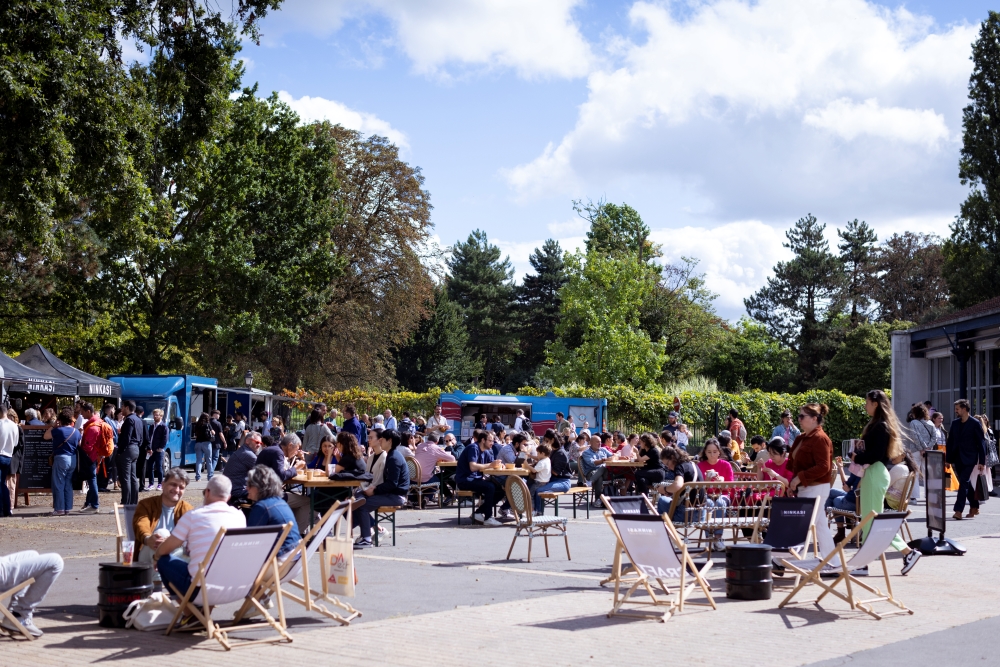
(966, 452)
(130, 439)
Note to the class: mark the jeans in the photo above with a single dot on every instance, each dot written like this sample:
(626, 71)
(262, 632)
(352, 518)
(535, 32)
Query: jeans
(216, 451)
(202, 452)
(557, 486)
(595, 480)
(966, 488)
(154, 466)
(174, 570)
(720, 504)
(644, 479)
(126, 474)
(663, 507)
(23, 565)
(5, 499)
(62, 482)
(841, 500)
(487, 490)
(90, 476)
(363, 515)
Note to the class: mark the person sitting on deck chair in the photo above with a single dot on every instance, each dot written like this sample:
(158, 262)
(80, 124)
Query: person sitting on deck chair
(17, 568)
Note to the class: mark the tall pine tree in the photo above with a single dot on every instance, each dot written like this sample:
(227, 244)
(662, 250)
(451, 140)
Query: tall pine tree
(800, 303)
(972, 254)
(480, 282)
(538, 301)
(857, 250)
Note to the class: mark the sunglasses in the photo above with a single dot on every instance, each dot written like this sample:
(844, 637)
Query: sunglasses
(804, 416)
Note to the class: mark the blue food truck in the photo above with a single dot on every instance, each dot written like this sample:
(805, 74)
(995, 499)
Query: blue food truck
(461, 410)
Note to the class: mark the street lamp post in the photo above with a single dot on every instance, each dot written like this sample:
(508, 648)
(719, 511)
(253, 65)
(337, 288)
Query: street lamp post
(248, 381)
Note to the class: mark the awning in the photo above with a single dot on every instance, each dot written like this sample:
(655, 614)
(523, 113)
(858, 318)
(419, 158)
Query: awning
(40, 359)
(22, 379)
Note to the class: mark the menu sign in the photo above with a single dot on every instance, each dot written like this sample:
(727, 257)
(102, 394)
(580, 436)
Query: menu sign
(36, 473)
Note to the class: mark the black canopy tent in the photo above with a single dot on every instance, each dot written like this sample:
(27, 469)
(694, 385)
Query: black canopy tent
(20, 379)
(41, 360)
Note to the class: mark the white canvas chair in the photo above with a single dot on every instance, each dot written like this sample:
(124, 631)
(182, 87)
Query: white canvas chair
(883, 529)
(124, 514)
(237, 561)
(296, 563)
(624, 505)
(7, 595)
(527, 524)
(657, 555)
(791, 527)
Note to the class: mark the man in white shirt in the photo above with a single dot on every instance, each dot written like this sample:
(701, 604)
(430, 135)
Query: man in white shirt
(390, 421)
(438, 424)
(518, 421)
(196, 530)
(9, 436)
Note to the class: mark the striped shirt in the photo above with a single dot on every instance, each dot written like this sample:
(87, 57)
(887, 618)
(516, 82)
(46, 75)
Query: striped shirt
(199, 527)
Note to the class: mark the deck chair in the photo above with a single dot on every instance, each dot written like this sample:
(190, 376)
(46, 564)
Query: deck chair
(124, 514)
(904, 506)
(7, 595)
(236, 563)
(883, 529)
(658, 555)
(532, 526)
(418, 488)
(296, 564)
(791, 526)
(624, 505)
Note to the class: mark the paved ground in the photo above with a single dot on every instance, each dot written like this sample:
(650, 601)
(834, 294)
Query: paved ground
(445, 591)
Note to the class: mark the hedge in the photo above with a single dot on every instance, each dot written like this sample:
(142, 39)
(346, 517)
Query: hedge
(760, 411)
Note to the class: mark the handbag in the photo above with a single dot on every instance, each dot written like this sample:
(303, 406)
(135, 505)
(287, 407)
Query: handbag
(982, 490)
(992, 459)
(150, 614)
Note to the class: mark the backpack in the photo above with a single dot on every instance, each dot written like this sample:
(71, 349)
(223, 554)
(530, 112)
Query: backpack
(526, 425)
(104, 446)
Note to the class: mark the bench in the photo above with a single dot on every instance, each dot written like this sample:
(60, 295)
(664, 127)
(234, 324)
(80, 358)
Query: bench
(551, 498)
(465, 495)
(385, 514)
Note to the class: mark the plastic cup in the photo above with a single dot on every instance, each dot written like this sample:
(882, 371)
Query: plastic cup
(331, 469)
(128, 548)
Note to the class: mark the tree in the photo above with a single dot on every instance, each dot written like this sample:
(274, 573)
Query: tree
(375, 305)
(864, 361)
(538, 301)
(480, 283)
(906, 281)
(857, 243)
(437, 353)
(746, 356)
(799, 305)
(972, 254)
(616, 231)
(598, 339)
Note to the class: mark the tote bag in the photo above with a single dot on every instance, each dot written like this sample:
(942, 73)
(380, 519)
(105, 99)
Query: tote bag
(339, 549)
(152, 613)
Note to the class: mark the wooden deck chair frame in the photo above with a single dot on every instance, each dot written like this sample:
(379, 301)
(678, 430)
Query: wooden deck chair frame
(904, 506)
(124, 525)
(808, 572)
(6, 595)
(203, 612)
(530, 526)
(673, 601)
(337, 520)
(617, 573)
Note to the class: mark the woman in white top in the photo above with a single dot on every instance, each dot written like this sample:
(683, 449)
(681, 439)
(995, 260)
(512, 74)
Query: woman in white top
(940, 435)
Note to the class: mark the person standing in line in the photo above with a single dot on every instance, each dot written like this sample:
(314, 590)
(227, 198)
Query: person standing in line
(17, 458)
(91, 444)
(130, 438)
(811, 459)
(110, 464)
(65, 440)
(882, 444)
(203, 445)
(966, 452)
(8, 441)
(218, 438)
(158, 444)
(390, 421)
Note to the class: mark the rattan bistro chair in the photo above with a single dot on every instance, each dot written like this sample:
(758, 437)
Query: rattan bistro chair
(528, 525)
(418, 488)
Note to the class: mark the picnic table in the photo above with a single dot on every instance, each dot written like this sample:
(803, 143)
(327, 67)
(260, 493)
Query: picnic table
(519, 472)
(320, 481)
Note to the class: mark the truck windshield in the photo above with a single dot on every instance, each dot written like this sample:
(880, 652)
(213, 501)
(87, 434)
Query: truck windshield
(148, 405)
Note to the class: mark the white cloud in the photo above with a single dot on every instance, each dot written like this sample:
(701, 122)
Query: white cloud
(572, 227)
(769, 109)
(317, 108)
(849, 120)
(535, 39)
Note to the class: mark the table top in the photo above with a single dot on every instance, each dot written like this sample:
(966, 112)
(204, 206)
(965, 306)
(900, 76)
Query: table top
(520, 472)
(448, 464)
(623, 464)
(323, 481)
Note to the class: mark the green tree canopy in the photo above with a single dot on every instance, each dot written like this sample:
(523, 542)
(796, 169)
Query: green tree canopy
(538, 301)
(857, 249)
(864, 361)
(616, 231)
(746, 356)
(972, 254)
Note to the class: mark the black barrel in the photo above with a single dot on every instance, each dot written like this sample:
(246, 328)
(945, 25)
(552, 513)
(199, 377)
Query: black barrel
(118, 586)
(748, 572)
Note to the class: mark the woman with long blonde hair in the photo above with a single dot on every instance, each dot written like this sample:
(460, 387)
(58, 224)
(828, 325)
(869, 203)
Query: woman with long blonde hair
(883, 444)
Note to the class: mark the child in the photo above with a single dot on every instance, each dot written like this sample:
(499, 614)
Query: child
(543, 474)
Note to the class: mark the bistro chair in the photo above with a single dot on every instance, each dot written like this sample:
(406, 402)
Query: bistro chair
(418, 488)
(657, 555)
(232, 571)
(883, 529)
(532, 526)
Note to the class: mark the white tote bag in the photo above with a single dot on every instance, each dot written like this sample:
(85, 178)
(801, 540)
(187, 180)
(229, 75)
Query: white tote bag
(150, 614)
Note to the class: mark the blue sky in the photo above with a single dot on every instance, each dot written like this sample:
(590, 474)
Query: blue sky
(721, 122)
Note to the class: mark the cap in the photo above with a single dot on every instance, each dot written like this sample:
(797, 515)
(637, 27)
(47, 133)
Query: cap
(673, 414)
(726, 433)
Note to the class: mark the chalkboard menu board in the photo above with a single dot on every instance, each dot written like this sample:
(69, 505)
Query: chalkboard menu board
(934, 480)
(36, 473)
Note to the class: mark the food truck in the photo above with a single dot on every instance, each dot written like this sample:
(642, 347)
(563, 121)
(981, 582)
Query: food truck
(462, 409)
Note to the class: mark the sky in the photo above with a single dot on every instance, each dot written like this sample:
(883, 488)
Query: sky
(721, 122)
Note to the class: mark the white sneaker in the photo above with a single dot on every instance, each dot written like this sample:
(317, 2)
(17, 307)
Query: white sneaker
(89, 509)
(718, 545)
(492, 522)
(478, 518)
(26, 621)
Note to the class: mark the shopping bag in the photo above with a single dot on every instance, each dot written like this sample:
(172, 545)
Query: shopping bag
(340, 552)
(982, 488)
(152, 613)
